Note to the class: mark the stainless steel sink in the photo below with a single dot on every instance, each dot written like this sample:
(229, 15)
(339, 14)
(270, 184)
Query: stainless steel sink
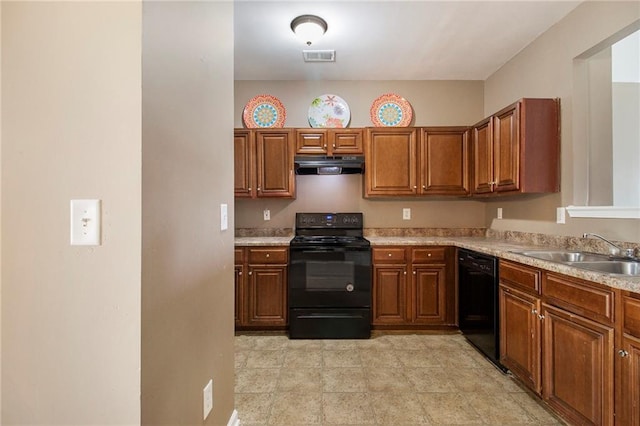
(564, 256)
(620, 267)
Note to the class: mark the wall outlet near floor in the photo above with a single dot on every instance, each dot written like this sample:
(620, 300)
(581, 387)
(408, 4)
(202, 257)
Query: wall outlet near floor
(499, 212)
(207, 399)
(560, 215)
(266, 213)
(406, 214)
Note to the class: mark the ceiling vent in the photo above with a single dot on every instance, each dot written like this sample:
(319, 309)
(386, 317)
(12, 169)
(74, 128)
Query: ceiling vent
(319, 55)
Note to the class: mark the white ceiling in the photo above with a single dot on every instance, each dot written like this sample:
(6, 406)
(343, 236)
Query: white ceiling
(389, 40)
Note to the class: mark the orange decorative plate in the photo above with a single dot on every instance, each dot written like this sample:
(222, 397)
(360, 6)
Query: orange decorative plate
(264, 111)
(391, 110)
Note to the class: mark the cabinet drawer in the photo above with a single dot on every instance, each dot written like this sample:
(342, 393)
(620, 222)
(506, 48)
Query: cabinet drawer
(389, 255)
(268, 255)
(520, 276)
(579, 297)
(428, 254)
(631, 315)
(239, 256)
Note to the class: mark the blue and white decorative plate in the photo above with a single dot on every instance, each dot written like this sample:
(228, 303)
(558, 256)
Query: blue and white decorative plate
(329, 111)
(391, 110)
(264, 111)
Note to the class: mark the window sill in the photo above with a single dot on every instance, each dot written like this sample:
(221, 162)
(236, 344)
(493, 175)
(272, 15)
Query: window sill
(609, 212)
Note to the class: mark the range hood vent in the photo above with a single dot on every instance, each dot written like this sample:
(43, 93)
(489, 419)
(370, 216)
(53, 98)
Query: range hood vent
(326, 165)
(319, 55)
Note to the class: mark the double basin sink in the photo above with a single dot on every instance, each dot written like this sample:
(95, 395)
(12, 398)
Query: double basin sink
(585, 260)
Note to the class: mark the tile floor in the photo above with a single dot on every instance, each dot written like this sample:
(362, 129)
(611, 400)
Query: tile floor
(409, 379)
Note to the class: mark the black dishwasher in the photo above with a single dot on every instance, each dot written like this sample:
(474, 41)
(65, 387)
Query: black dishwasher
(478, 302)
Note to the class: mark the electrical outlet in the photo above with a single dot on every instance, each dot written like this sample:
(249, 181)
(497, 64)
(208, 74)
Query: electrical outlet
(560, 215)
(499, 212)
(266, 214)
(406, 214)
(207, 399)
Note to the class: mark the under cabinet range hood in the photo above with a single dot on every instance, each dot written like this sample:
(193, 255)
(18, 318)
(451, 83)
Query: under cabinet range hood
(329, 165)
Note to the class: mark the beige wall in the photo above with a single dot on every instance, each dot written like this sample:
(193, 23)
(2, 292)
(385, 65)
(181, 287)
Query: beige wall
(187, 261)
(546, 68)
(0, 214)
(435, 103)
(71, 129)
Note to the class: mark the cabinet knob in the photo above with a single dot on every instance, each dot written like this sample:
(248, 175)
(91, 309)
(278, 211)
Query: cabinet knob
(389, 254)
(414, 272)
(534, 311)
(415, 187)
(250, 273)
(424, 186)
(428, 254)
(240, 273)
(268, 255)
(405, 272)
(540, 317)
(623, 353)
(249, 188)
(333, 146)
(325, 146)
(259, 189)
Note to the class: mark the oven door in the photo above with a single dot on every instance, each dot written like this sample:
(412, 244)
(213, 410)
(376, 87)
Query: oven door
(329, 277)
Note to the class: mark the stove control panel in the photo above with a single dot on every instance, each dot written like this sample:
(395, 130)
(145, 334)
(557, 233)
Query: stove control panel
(329, 220)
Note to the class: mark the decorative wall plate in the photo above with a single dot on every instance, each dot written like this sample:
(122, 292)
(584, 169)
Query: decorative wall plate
(391, 110)
(329, 111)
(264, 111)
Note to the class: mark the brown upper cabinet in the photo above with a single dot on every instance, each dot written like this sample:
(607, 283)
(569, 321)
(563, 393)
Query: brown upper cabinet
(263, 162)
(444, 161)
(416, 161)
(329, 141)
(390, 162)
(517, 150)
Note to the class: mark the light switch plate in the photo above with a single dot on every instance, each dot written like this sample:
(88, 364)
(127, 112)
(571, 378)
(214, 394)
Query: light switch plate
(406, 214)
(224, 217)
(85, 223)
(499, 213)
(266, 213)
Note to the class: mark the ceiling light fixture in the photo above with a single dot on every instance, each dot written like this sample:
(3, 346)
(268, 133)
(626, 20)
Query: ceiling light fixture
(309, 28)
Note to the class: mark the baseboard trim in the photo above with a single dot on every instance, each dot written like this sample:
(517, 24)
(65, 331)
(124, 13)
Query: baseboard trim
(234, 420)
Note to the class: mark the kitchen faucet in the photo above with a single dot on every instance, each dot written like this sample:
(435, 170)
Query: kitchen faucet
(614, 250)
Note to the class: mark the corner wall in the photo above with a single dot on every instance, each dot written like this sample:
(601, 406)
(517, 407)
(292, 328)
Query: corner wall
(187, 172)
(545, 68)
(70, 129)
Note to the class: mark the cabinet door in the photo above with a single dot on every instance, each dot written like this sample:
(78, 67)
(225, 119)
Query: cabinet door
(390, 294)
(244, 173)
(346, 141)
(239, 295)
(267, 295)
(629, 359)
(577, 367)
(444, 161)
(520, 336)
(390, 158)
(507, 149)
(313, 141)
(275, 164)
(483, 157)
(428, 294)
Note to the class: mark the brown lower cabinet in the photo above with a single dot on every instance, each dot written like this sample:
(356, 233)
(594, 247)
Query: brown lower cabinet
(558, 336)
(413, 286)
(261, 287)
(628, 362)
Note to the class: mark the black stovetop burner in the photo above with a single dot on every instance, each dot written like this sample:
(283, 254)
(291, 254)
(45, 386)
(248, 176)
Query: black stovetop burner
(329, 229)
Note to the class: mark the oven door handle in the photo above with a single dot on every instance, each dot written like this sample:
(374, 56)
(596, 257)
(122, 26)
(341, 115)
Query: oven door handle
(328, 316)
